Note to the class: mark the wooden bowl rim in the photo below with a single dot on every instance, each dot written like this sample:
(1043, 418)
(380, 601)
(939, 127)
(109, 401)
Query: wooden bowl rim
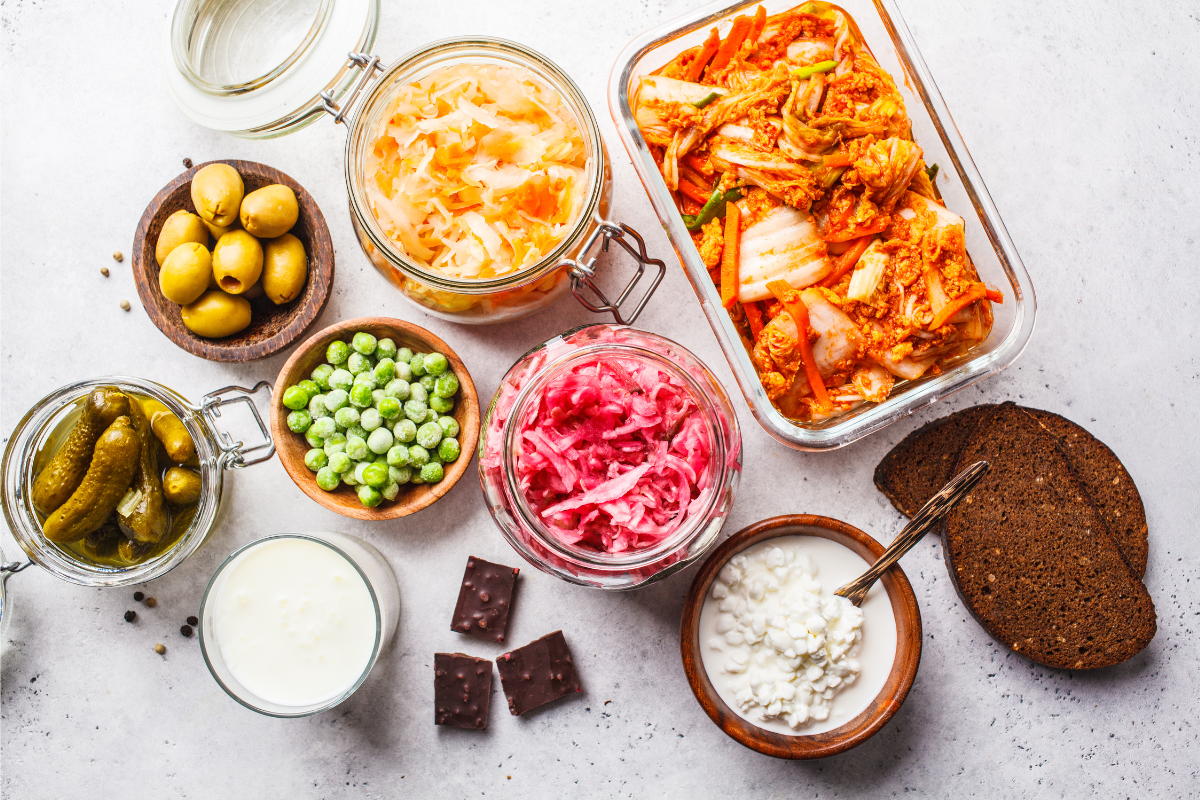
(303, 477)
(871, 719)
(303, 316)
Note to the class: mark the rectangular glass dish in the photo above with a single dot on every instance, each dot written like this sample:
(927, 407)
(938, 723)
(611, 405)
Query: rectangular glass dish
(963, 191)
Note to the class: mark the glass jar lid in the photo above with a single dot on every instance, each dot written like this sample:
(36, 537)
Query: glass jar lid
(257, 69)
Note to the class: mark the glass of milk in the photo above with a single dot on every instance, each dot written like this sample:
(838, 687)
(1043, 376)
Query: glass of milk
(291, 624)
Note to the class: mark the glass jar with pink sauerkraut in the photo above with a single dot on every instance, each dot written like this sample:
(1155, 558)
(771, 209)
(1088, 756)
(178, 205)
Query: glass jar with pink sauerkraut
(610, 457)
(479, 185)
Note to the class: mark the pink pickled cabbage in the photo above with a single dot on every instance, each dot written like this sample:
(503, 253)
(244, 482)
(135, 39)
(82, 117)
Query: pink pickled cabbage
(614, 455)
(477, 170)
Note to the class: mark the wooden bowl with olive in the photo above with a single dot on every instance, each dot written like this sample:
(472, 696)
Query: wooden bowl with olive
(276, 319)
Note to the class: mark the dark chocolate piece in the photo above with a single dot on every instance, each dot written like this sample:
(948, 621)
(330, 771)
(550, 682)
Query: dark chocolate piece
(462, 690)
(485, 599)
(537, 673)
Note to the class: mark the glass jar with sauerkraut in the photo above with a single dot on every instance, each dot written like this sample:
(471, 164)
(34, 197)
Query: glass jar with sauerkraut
(479, 184)
(609, 457)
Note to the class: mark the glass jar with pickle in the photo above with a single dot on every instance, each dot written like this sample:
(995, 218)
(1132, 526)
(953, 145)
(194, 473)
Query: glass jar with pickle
(115, 481)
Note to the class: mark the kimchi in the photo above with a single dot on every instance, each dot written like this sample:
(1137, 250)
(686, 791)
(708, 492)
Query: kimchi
(791, 159)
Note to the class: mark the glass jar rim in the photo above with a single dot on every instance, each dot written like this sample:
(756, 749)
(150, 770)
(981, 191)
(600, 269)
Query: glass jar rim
(427, 57)
(696, 521)
(17, 478)
(315, 708)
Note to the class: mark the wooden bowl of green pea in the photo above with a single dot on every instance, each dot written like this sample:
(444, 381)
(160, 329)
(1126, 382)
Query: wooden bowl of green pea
(375, 418)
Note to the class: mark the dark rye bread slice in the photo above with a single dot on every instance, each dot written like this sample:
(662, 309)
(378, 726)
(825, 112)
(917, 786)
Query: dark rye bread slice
(924, 461)
(1031, 558)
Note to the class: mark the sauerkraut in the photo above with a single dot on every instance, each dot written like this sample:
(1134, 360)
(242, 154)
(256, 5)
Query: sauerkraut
(477, 170)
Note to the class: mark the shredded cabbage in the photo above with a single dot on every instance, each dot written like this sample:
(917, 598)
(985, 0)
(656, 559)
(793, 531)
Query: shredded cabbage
(477, 170)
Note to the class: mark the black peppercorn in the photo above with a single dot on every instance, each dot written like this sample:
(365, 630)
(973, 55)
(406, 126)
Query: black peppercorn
(187, 163)
(138, 596)
(186, 630)
(193, 621)
(130, 616)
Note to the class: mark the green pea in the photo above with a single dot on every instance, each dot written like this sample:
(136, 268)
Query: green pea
(315, 459)
(442, 405)
(432, 472)
(381, 440)
(385, 348)
(327, 479)
(295, 398)
(356, 448)
(403, 371)
(446, 385)
(417, 363)
(360, 395)
(364, 343)
(310, 388)
(366, 379)
(335, 443)
(416, 478)
(337, 353)
(346, 417)
(324, 427)
(418, 392)
(385, 370)
(370, 419)
(369, 496)
(428, 381)
(449, 450)
(400, 475)
(416, 410)
(335, 400)
(339, 462)
(376, 396)
(429, 434)
(316, 407)
(436, 364)
(360, 471)
(348, 478)
(358, 363)
(321, 376)
(312, 439)
(299, 421)
(432, 416)
(449, 426)
(359, 431)
(418, 456)
(388, 407)
(405, 431)
(390, 491)
(397, 456)
(375, 475)
(341, 379)
(399, 389)
(403, 354)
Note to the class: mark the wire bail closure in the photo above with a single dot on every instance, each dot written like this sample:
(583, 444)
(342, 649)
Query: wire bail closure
(234, 454)
(582, 270)
(370, 65)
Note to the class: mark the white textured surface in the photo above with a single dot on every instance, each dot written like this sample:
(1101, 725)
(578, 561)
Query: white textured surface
(1083, 123)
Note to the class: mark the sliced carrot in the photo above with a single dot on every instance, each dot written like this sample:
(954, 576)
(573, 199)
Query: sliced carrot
(754, 316)
(994, 295)
(836, 160)
(729, 256)
(732, 44)
(977, 292)
(847, 260)
(689, 189)
(760, 22)
(707, 51)
(878, 226)
(789, 298)
(700, 165)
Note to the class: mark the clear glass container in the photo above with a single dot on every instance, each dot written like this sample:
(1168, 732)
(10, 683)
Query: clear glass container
(988, 243)
(498, 450)
(53, 416)
(385, 598)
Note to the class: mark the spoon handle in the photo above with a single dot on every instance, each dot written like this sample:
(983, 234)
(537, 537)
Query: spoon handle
(922, 522)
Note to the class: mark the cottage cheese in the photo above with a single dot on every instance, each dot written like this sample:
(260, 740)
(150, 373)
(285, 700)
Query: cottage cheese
(781, 649)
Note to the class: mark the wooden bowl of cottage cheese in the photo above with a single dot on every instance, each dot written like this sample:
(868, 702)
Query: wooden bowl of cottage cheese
(781, 664)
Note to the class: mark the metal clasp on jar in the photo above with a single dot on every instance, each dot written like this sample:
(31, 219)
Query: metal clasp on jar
(582, 270)
(370, 65)
(235, 454)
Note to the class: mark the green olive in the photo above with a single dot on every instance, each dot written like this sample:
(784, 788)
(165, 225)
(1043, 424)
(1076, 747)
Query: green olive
(184, 275)
(216, 314)
(180, 227)
(237, 261)
(285, 269)
(217, 193)
(218, 231)
(255, 291)
(270, 212)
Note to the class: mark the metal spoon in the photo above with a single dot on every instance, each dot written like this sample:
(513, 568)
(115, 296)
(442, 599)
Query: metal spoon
(922, 522)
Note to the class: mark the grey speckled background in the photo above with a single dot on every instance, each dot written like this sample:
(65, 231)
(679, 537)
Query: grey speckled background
(1083, 121)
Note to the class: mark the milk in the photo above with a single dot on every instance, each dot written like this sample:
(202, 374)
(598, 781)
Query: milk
(294, 622)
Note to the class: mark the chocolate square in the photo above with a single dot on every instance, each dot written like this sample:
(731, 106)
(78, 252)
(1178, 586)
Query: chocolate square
(537, 673)
(485, 599)
(462, 690)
